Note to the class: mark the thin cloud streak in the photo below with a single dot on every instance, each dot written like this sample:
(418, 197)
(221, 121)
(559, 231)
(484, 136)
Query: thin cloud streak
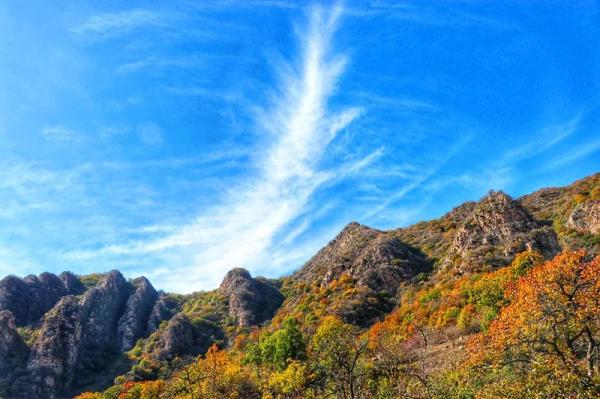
(242, 230)
(115, 24)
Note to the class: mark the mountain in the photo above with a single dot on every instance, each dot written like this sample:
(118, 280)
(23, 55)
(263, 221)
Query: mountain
(62, 335)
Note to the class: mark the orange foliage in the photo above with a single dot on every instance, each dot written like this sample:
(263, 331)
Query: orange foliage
(550, 327)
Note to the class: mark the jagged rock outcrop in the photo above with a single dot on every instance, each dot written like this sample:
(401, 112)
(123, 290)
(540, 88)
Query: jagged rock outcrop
(28, 299)
(55, 355)
(12, 348)
(183, 337)
(164, 309)
(14, 297)
(251, 301)
(133, 324)
(177, 339)
(585, 217)
(72, 283)
(496, 230)
(376, 259)
(78, 339)
(377, 263)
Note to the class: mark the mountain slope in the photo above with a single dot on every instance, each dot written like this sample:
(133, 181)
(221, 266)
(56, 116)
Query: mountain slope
(64, 334)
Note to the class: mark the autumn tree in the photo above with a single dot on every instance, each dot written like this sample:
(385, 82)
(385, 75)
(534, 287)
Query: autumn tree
(215, 376)
(399, 364)
(547, 340)
(339, 358)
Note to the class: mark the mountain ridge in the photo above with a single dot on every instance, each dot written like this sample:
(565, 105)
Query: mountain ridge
(66, 334)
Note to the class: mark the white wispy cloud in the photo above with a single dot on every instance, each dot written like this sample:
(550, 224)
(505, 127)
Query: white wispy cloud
(573, 155)
(442, 15)
(114, 24)
(285, 173)
(154, 62)
(548, 137)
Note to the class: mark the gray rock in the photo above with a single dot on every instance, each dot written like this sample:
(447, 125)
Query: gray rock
(12, 348)
(15, 297)
(134, 321)
(176, 340)
(28, 299)
(585, 217)
(373, 258)
(164, 309)
(251, 301)
(72, 283)
(496, 230)
(78, 339)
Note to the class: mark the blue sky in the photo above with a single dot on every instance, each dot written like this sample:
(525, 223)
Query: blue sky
(180, 139)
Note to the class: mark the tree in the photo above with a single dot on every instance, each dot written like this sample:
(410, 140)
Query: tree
(547, 340)
(280, 348)
(400, 368)
(214, 377)
(339, 353)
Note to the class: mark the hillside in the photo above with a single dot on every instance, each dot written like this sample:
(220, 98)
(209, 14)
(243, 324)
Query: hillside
(379, 314)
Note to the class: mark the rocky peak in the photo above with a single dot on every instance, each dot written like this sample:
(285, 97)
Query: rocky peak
(497, 229)
(235, 278)
(133, 323)
(72, 283)
(82, 331)
(251, 301)
(78, 338)
(372, 257)
(28, 299)
(14, 297)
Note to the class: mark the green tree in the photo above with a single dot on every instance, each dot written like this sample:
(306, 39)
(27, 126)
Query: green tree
(280, 348)
(339, 353)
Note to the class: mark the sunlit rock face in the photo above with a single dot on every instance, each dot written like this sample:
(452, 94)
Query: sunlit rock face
(371, 257)
(586, 217)
(496, 230)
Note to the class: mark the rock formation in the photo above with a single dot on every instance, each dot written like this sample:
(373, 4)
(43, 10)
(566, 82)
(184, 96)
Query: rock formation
(164, 309)
(133, 323)
(82, 336)
(586, 217)
(12, 347)
(373, 258)
(251, 301)
(28, 299)
(496, 230)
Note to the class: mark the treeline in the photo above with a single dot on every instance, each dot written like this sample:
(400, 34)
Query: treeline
(530, 330)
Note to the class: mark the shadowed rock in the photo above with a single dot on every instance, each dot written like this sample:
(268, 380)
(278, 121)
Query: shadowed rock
(164, 309)
(28, 299)
(251, 301)
(134, 321)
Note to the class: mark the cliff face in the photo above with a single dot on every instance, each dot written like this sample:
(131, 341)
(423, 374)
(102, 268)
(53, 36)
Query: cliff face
(133, 323)
(13, 350)
(251, 301)
(80, 336)
(585, 217)
(28, 299)
(498, 228)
